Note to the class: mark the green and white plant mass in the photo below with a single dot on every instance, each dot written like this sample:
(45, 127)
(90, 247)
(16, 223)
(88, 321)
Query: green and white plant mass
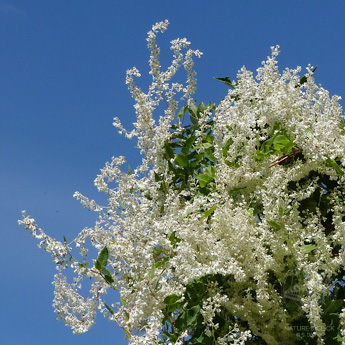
(232, 229)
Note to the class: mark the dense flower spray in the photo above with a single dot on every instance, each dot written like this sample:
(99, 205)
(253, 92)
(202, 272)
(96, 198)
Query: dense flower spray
(231, 231)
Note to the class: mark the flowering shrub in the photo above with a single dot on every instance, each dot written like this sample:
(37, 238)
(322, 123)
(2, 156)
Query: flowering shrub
(231, 231)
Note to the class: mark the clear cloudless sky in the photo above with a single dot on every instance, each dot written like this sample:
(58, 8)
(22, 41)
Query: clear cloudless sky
(62, 80)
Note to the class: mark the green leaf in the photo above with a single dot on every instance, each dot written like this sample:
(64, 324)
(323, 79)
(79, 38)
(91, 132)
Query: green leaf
(173, 239)
(159, 264)
(171, 168)
(210, 139)
(164, 187)
(65, 241)
(172, 299)
(111, 311)
(209, 212)
(129, 170)
(206, 145)
(226, 81)
(123, 301)
(309, 248)
(189, 317)
(203, 339)
(273, 224)
(98, 265)
(157, 177)
(201, 108)
(335, 166)
(282, 143)
(210, 156)
(127, 333)
(182, 160)
(333, 306)
(212, 107)
(210, 171)
(168, 150)
(188, 144)
(193, 110)
(288, 210)
(203, 179)
(107, 275)
(226, 147)
(277, 144)
(182, 112)
(153, 270)
(102, 258)
(148, 196)
(305, 78)
(193, 119)
(126, 316)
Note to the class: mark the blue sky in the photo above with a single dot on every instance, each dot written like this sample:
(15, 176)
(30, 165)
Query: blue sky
(62, 80)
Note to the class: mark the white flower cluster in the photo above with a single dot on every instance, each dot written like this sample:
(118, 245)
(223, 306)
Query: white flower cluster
(235, 337)
(275, 139)
(209, 310)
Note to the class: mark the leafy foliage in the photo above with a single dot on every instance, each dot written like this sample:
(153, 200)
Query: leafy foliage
(192, 159)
